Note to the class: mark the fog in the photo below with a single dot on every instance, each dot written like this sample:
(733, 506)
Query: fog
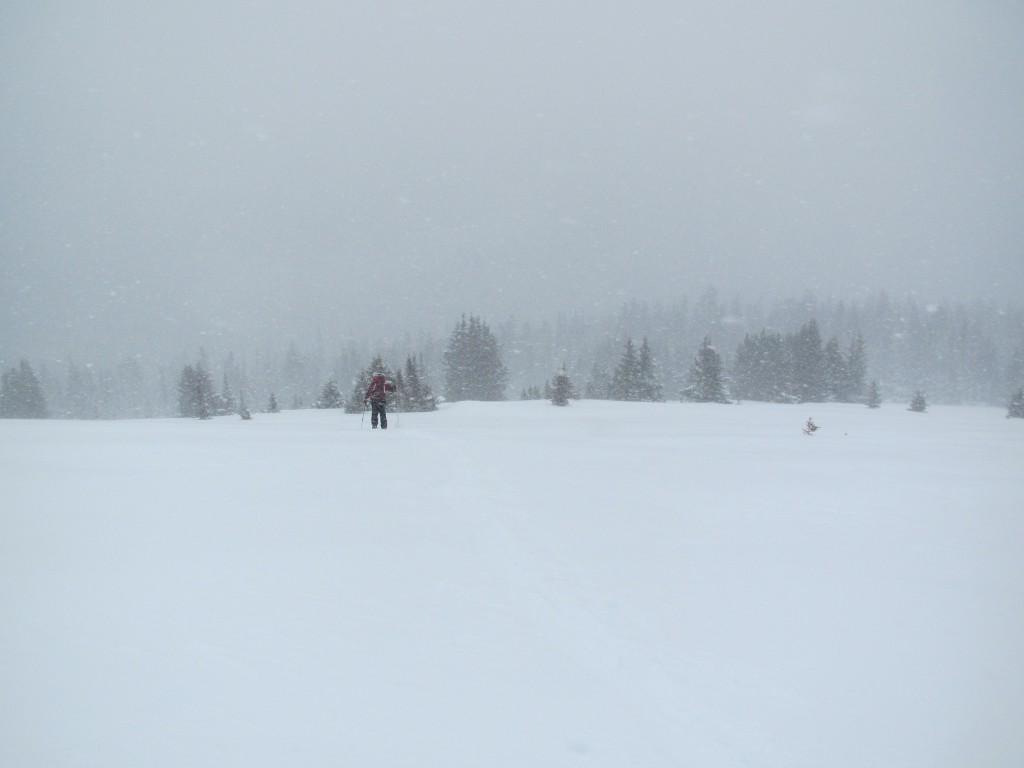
(264, 169)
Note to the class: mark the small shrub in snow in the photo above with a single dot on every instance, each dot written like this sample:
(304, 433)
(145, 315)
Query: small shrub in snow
(562, 390)
(918, 404)
(1016, 409)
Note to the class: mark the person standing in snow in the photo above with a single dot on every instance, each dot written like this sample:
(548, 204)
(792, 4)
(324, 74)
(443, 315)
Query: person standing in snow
(377, 398)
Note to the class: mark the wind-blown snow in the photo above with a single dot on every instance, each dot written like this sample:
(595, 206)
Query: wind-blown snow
(515, 584)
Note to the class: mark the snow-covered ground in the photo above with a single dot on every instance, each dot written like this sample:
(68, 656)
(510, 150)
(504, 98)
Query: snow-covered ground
(514, 584)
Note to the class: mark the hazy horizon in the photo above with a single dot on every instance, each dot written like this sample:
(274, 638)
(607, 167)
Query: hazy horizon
(246, 169)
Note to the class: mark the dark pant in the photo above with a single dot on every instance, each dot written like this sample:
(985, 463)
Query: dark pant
(379, 410)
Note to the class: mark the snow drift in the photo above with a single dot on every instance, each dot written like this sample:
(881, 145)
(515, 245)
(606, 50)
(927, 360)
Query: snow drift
(513, 584)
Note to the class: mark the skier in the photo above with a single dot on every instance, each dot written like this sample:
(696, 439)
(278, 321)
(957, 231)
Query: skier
(377, 398)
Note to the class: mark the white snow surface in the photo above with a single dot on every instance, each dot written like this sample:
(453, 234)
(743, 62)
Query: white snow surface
(514, 584)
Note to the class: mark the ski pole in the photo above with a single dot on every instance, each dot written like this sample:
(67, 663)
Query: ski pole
(363, 418)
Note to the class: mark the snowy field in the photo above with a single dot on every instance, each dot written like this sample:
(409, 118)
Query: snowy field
(513, 584)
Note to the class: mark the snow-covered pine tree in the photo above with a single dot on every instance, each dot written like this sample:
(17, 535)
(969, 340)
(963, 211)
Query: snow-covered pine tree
(410, 391)
(272, 406)
(918, 403)
(204, 396)
(330, 396)
(473, 367)
(294, 374)
(562, 389)
(707, 380)
(400, 388)
(874, 397)
(649, 389)
(761, 370)
(21, 396)
(856, 370)
(835, 371)
(625, 384)
(8, 394)
(195, 391)
(809, 377)
(416, 395)
(187, 405)
(1016, 407)
(225, 402)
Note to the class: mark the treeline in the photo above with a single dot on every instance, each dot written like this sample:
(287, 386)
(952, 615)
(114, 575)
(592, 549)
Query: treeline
(957, 353)
(795, 368)
(802, 349)
(798, 367)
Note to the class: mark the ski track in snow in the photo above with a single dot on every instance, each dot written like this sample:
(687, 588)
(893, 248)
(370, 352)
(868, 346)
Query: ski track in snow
(513, 584)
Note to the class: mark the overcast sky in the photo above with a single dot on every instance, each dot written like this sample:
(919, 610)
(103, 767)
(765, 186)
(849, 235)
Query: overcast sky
(367, 167)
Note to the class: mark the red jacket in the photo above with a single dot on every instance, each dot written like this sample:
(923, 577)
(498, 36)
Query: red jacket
(379, 388)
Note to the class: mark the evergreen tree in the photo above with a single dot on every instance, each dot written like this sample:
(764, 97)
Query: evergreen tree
(856, 371)
(918, 404)
(225, 402)
(187, 392)
(835, 371)
(625, 384)
(808, 360)
(416, 394)
(706, 382)
(330, 396)
(874, 398)
(562, 389)
(21, 396)
(744, 369)
(635, 378)
(34, 401)
(1016, 408)
(472, 363)
(9, 394)
(399, 392)
(272, 406)
(762, 369)
(204, 387)
(195, 391)
(647, 384)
